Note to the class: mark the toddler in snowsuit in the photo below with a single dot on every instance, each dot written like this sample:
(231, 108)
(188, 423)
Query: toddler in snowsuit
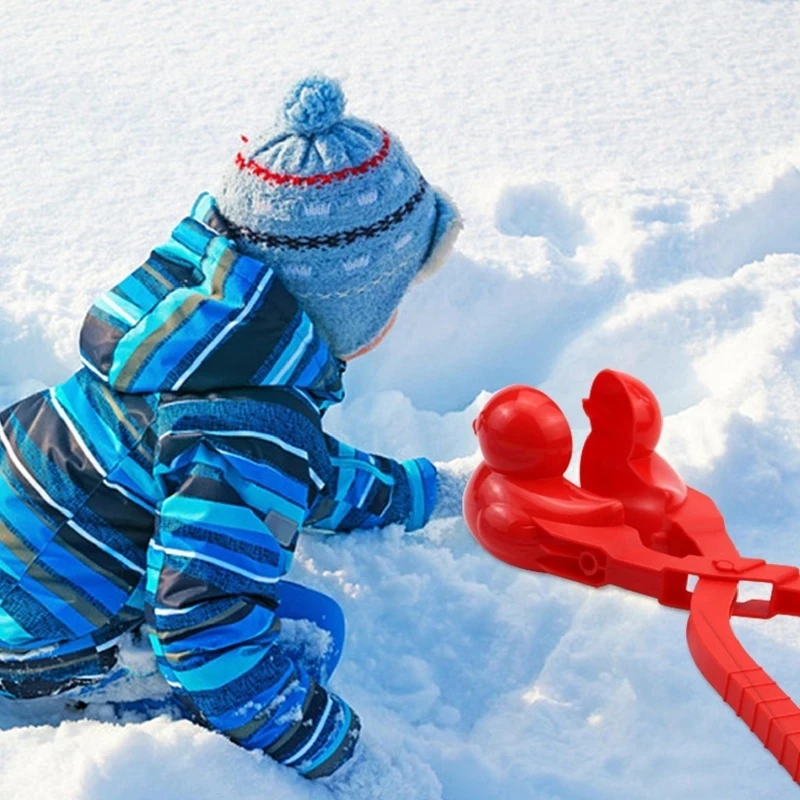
(166, 482)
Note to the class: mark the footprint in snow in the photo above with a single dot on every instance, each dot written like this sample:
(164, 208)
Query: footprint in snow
(541, 210)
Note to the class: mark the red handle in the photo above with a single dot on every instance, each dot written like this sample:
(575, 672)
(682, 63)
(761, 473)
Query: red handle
(755, 697)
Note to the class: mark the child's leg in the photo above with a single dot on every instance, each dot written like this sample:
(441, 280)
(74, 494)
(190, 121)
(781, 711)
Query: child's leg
(118, 683)
(236, 494)
(313, 635)
(54, 670)
(132, 690)
(322, 654)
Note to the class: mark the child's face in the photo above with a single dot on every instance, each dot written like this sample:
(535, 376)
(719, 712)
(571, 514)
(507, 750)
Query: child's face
(375, 342)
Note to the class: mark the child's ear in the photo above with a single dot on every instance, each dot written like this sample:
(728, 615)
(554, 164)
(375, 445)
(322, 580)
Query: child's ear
(446, 229)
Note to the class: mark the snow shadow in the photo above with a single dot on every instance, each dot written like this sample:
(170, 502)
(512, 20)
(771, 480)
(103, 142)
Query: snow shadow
(27, 361)
(541, 210)
(475, 327)
(427, 624)
(765, 225)
(672, 213)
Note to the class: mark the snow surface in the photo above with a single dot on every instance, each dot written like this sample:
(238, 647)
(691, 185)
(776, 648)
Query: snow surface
(629, 176)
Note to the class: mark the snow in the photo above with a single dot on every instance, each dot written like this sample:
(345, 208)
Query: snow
(629, 175)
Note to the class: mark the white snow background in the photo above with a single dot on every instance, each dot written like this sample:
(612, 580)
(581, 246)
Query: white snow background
(628, 172)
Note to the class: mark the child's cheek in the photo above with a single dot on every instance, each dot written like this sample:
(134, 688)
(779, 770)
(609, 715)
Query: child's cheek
(375, 342)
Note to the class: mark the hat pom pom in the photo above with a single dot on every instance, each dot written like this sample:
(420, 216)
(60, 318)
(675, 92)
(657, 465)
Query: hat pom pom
(314, 105)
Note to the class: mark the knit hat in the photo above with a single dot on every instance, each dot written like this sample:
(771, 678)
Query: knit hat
(337, 208)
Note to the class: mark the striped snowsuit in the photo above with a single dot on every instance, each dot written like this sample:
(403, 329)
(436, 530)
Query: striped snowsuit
(167, 482)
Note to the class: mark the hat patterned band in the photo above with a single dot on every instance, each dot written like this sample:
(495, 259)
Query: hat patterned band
(260, 171)
(334, 239)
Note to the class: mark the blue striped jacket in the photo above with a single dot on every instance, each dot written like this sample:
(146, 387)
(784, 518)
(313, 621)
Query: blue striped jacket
(167, 482)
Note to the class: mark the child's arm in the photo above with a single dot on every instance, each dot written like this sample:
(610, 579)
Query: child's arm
(235, 476)
(364, 490)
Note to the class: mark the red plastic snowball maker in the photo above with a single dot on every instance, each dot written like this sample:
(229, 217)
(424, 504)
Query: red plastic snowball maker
(634, 524)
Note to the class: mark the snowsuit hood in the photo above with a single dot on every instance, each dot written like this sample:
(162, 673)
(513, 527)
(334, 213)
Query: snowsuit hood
(199, 315)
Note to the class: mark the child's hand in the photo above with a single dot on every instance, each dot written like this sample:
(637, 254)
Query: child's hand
(451, 481)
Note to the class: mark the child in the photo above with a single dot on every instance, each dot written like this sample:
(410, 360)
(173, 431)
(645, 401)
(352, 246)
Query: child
(168, 479)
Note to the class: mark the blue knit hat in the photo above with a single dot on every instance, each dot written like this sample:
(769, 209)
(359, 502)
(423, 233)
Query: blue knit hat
(337, 208)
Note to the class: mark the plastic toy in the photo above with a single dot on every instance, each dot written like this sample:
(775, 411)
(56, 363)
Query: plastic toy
(633, 523)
